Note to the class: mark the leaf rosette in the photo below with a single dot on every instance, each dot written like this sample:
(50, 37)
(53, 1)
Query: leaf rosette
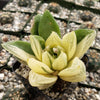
(49, 56)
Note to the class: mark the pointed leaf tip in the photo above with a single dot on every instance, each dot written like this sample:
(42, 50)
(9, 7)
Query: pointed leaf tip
(35, 25)
(60, 62)
(47, 25)
(85, 43)
(53, 40)
(69, 42)
(18, 49)
(41, 41)
(82, 33)
(47, 59)
(36, 47)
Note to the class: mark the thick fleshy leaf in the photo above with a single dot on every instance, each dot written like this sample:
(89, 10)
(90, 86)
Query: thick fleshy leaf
(53, 40)
(41, 81)
(20, 49)
(38, 66)
(47, 59)
(84, 44)
(41, 41)
(69, 43)
(36, 47)
(35, 26)
(60, 62)
(47, 25)
(82, 33)
(75, 72)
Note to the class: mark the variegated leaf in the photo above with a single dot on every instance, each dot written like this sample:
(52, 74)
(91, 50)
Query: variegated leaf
(69, 43)
(38, 66)
(41, 81)
(75, 72)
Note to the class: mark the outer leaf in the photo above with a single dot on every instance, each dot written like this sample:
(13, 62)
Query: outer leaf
(38, 66)
(41, 81)
(75, 72)
(41, 40)
(36, 47)
(60, 62)
(47, 25)
(20, 49)
(69, 43)
(82, 33)
(47, 59)
(53, 40)
(84, 44)
(35, 26)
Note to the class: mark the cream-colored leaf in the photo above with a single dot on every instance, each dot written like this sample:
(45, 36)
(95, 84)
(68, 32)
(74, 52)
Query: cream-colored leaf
(19, 53)
(60, 62)
(69, 43)
(38, 66)
(84, 45)
(41, 81)
(76, 78)
(36, 47)
(75, 72)
(47, 59)
(53, 40)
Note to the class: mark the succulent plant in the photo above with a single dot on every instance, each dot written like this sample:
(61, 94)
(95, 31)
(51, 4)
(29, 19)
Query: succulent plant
(6, 18)
(86, 16)
(54, 7)
(24, 3)
(88, 3)
(58, 58)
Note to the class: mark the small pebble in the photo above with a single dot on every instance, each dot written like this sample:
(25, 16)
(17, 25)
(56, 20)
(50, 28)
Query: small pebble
(97, 96)
(4, 38)
(1, 76)
(1, 86)
(1, 95)
(9, 63)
